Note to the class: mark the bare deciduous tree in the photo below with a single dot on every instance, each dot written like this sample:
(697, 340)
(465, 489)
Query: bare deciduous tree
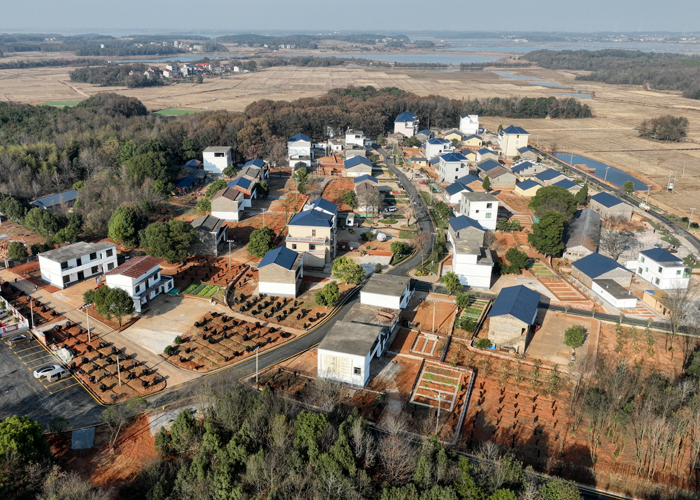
(421, 242)
(615, 243)
(397, 458)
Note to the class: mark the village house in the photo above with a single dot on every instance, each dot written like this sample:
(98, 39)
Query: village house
(486, 165)
(227, 204)
(469, 155)
(549, 176)
(256, 169)
(596, 266)
(569, 185)
(527, 188)
(473, 141)
(281, 272)
(527, 153)
(472, 262)
(406, 123)
(484, 154)
(356, 137)
(211, 233)
(453, 135)
(499, 178)
(583, 235)
(312, 233)
(352, 150)
(452, 166)
(247, 187)
(384, 290)
(357, 166)
(424, 135)
(140, 277)
(67, 265)
(217, 158)
(453, 192)
(526, 170)
(437, 147)
(469, 124)
(336, 144)
(65, 199)
(511, 139)
(661, 268)
(418, 161)
(609, 206)
(481, 207)
(512, 315)
(299, 150)
(614, 294)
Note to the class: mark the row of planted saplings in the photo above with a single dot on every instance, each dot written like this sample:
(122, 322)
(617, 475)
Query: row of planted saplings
(116, 361)
(37, 303)
(256, 303)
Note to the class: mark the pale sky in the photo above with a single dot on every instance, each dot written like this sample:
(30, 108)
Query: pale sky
(127, 16)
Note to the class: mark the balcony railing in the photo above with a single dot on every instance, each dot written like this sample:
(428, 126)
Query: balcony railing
(316, 241)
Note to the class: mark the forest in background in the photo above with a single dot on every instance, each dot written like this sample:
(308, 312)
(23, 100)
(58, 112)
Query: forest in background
(660, 71)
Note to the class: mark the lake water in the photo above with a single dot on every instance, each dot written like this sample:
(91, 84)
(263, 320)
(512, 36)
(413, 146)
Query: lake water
(573, 94)
(178, 58)
(508, 75)
(615, 176)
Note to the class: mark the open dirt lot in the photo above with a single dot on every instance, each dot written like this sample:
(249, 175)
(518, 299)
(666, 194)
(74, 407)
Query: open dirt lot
(609, 137)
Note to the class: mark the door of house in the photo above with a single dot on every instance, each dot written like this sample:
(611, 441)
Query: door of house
(81, 275)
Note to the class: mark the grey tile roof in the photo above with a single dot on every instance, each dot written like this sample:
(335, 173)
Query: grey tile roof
(385, 284)
(351, 338)
(614, 288)
(76, 250)
(207, 223)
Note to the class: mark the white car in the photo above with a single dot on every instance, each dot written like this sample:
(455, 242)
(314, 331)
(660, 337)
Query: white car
(390, 210)
(49, 370)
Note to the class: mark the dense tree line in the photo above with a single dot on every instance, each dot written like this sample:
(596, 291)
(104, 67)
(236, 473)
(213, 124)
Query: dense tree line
(665, 128)
(41, 63)
(116, 75)
(625, 67)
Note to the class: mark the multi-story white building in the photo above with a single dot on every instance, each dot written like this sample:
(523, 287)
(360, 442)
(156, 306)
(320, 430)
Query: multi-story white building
(661, 268)
(482, 207)
(469, 124)
(383, 290)
(471, 260)
(511, 139)
(217, 158)
(452, 166)
(406, 123)
(140, 277)
(437, 146)
(356, 137)
(70, 264)
(299, 150)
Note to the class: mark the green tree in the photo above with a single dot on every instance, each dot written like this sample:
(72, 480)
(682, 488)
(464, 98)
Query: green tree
(328, 296)
(628, 186)
(17, 251)
(302, 188)
(203, 205)
(230, 171)
(548, 234)
(125, 224)
(12, 208)
(582, 195)
(483, 344)
(486, 184)
(349, 198)
(301, 175)
(462, 300)
(214, 188)
(262, 240)
(183, 431)
(503, 494)
(553, 198)
(152, 164)
(110, 302)
(168, 240)
(574, 336)
(558, 489)
(443, 209)
(517, 261)
(347, 271)
(451, 282)
(22, 437)
(465, 485)
(42, 221)
(263, 189)
(400, 248)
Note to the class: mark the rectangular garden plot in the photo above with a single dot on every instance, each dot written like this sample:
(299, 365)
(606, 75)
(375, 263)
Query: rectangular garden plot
(437, 387)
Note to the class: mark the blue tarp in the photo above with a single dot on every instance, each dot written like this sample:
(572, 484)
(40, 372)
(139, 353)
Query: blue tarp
(186, 182)
(83, 439)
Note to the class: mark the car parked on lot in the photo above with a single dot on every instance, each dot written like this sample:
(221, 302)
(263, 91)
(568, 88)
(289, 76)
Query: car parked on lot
(47, 370)
(390, 209)
(20, 339)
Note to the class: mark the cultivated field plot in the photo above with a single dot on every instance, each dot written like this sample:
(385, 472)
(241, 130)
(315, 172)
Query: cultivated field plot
(240, 231)
(292, 203)
(443, 313)
(207, 271)
(216, 340)
(541, 271)
(426, 344)
(334, 190)
(176, 112)
(437, 387)
(562, 290)
(525, 221)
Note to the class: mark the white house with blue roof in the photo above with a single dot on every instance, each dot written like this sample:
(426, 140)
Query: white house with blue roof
(299, 150)
(549, 176)
(453, 192)
(469, 124)
(437, 146)
(569, 185)
(661, 268)
(511, 139)
(281, 272)
(406, 123)
(472, 262)
(527, 188)
(357, 166)
(312, 233)
(452, 166)
(608, 206)
(512, 316)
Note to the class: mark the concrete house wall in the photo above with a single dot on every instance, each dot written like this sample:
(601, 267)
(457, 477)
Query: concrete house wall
(216, 161)
(275, 280)
(70, 271)
(314, 242)
(507, 328)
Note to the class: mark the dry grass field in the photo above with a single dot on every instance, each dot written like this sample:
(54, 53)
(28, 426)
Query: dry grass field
(609, 137)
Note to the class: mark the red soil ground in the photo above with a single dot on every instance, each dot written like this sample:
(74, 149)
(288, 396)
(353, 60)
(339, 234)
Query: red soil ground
(334, 189)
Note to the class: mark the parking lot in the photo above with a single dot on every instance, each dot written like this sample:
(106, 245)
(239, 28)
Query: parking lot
(22, 394)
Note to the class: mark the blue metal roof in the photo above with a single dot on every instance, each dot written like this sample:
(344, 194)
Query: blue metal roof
(473, 136)
(406, 116)
(484, 151)
(366, 177)
(324, 204)
(240, 182)
(282, 256)
(607, 200)
(524, 149)
(528, 184)
(56, 199)
(468, 179)
(438, 140)
(548, 175)
(487, 165)
(313, 217)
(192, 164)
(566, 184)
(462, 222)
(425, 131)
(454, 157)
(357, 160)
(434, 161)
(595, 265)
(660, 255)
(255, 163)
(521, 167)
(518, 301)
(299, 137)
(186, 182)
(512, 129)
(457, 187)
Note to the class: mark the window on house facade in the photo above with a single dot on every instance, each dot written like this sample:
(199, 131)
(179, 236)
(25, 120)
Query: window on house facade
(64, 265)
(109, 252)
(95, 269)
(294, 246)
(660, 269)
(110, 266)
(476, 211)
(488, 215)
(93, 255)
(138, 288)
(313, 233)
(656, 281)
(646, 269)
(489, 205)
(66, 279)
(357, 371)
(678, 273)
(312, 247)
(642, 260)
(78, 261)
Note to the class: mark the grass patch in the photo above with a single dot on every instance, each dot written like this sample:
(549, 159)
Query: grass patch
(60, 104)
(406, 234)
(176, 112)
(192, 287)
(653, 224)
(472, 311)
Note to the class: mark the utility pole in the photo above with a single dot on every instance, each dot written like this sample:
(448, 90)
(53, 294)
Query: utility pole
(256, 366)
(31, 311)
(437, 422)
(606, 174)
(690, 218)
(85, 306)
(229, 252)
(648, 189)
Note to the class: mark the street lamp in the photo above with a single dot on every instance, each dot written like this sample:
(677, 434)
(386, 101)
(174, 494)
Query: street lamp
(690, 218)
(606, 174)
(437, 422)
(85, 306)
(256, 366)
(648, 189)
(229, 252)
